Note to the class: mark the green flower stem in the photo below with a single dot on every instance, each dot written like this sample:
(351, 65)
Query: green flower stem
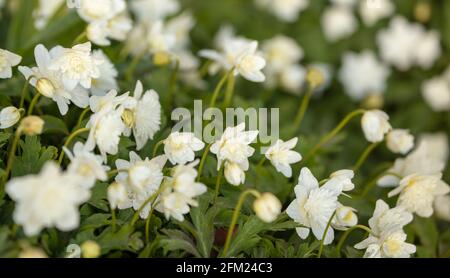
(113, 220)
(173, 83)
(303, 107)
(24, 92)
(261, 162)
(81, 117)
(156, 147)
(204, 69)
(324, 234)
(229, 91)
(69, 139)
(218, 180)
(219, 87)
(202, 161)
(11, 156)
(130, 70)
(347, 232)
(333, 133)
(33, 103)
(147, 224)
(364, 156)
(81, 37)
(149, 200)
(235, 216)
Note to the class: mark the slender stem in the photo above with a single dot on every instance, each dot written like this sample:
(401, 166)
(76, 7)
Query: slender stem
(69, 139)
(11, 156)
(156, 147)
(204, 68)
(303, 107)
(333, 133)
(364, 156)
(24, 93)
(113, 220)
(33, 103)
(149, 200)
(81, 117)
(218, 180)
(147, 224)
(130, 70)
(235, 216)
(219, 88)
(229, 90)
(261, 162)
(173, 82)
(324, 234)
(347, 232)
(80, 38)
(202, 161)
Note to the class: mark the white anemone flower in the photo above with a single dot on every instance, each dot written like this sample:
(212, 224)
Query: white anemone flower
(314, 206)
(180, 147)
(344, 218)
(344, 177)
(49, 82)
(400, 141)
(108, 75)
(76, 65)
(282, 156)
(100, 10)
(338, 22)
(7, 61)
(375, 124)
(284, 10)
(49, 199)
(86, 164)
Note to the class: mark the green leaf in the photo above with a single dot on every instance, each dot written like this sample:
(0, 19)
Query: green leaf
(116, 241)
(178, 240)
(426, 230)
(98, 197)
(4, 136)
(54, 125)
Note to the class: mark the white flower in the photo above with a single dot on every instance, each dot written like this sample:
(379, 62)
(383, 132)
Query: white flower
(285, 10)
(180, 26)
(180, 147)
(375, 124)
(386, 239)
(49, 199)
(400, 141)
(267, 207)
(142, 179)
(442, 207)
(406, 44)
(240, 54)
(117, 28)
(108, 74)
(7, 61)
(86, 165)
(235, 173)
(292, 78)
(48, 82)
(371, 11)
(180, 192)
(9, 116)
(117, 195)
(348, 3)
(281, 156)
(436, 93)
(76, 65)
(314, 206)
(428, 158)
(159, 40)
(417, 193)
(233, 146)
(362, 74)
(344, 218)
(44, 11)
(142, 115)
(281, 51)
(152, 10)
(338, 22)
(344, 177)
(99, 10)
(31, 125)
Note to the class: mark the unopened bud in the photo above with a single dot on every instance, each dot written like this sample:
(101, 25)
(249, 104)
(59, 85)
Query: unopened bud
(31, 125)
(315, 78)
(45, 87)
(90, 249)
(267, 207)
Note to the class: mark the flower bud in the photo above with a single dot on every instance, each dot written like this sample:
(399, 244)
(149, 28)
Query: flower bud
(234, 173)
(375, 124)
(373, 101)
(9, 116)
(90, 249)
(267, 207)
(345, 217)
(315, 78)
(45, 87)
(32, 253)
(422, 11)
(400, 141)
(31, 125)
(117, 194)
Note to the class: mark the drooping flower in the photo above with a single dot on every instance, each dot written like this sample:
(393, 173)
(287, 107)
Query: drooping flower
(9, 116)
(344, 177)
(49, 199)
(180, 147)
(418, 192)
(314, 206)
(235, 173)
(267, 207)
(7, 61)
(375, 124)
(282, 156)
(344, 218)
(117, 195)
(400, 141)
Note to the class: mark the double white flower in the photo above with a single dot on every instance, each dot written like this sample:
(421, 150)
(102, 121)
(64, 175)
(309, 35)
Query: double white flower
(233, 149)
(375, 124)
(387, 239)
(7, 61)
(282, 156)
(180, 147)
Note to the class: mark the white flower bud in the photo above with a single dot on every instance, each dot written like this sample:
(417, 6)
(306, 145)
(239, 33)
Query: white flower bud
(45, 87)
(9, 116)
(31, 125)
(375, 124)
(117, 195)
(267, 207)
(234, 173)
(90, 249)
(400, 141)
